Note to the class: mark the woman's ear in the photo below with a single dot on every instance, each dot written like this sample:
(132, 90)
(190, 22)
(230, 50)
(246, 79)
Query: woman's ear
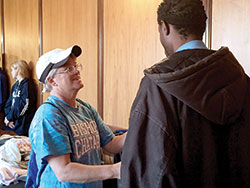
(18, 71)
(51, 81)
(19, 76)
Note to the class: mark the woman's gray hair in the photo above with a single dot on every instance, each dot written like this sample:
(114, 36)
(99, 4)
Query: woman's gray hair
(47, 86)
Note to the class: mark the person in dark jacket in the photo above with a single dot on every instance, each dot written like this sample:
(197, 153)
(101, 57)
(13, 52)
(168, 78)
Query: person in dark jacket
(189, 123)
(21, 105)
(3, 95)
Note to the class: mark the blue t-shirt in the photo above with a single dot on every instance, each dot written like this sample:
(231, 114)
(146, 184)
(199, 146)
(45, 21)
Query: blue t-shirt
(57, 129)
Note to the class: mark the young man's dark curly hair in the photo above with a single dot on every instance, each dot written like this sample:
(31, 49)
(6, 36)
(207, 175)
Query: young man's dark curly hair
(188, 16)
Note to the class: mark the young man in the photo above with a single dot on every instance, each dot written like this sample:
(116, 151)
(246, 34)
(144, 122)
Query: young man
(189, 123)
(66, 133)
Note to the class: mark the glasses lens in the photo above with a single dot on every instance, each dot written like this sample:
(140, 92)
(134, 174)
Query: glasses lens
(79, 67)
(74, 68)
(71, 69)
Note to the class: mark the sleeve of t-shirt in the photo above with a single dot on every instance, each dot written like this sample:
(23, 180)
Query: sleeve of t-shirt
(106, 134)
(48, 133)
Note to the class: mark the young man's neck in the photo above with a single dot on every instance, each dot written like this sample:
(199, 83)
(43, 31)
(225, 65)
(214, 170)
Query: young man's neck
(183, 40)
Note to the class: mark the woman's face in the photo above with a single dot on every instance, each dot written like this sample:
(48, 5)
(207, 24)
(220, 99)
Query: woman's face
(68, 81)
(14, 72)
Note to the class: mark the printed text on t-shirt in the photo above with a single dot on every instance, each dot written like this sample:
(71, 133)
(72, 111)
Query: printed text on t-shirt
(86, 137)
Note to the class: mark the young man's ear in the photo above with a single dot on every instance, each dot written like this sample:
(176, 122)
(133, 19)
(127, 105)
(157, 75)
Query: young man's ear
(165, 27)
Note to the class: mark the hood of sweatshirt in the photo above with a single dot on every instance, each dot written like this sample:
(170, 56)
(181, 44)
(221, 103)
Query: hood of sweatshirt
(212, 83)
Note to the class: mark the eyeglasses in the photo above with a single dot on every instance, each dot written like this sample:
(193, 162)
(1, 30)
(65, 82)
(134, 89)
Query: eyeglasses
(71, 69)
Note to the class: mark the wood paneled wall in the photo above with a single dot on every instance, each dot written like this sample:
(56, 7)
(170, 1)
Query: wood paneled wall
(21, 32)
(69, 22)
(131, 44)
(231, 27)
(130, 41)
(64, 23)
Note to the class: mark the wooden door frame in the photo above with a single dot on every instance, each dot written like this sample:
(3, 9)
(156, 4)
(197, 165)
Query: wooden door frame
(207, 38)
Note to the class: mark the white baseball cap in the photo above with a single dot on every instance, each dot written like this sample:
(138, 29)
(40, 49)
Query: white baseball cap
(54, 59)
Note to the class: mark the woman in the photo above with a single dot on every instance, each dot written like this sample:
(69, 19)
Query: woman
(67, 134)
(21, 105)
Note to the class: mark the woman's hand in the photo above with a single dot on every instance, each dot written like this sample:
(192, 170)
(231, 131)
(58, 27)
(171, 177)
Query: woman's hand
(9, 123)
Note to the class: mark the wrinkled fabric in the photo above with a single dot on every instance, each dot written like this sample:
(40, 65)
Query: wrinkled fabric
(7, 175)
(189, 124)
(10, 156)
(10, 151)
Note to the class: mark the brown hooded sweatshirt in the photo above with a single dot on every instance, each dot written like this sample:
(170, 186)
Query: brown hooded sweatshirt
(190, 124)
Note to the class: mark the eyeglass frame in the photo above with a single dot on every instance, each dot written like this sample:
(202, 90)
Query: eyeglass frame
(75, 67)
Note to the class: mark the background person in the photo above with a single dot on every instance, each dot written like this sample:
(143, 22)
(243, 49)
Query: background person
(4, 93)
(189, 123)
(66, 133)
(21, 104)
